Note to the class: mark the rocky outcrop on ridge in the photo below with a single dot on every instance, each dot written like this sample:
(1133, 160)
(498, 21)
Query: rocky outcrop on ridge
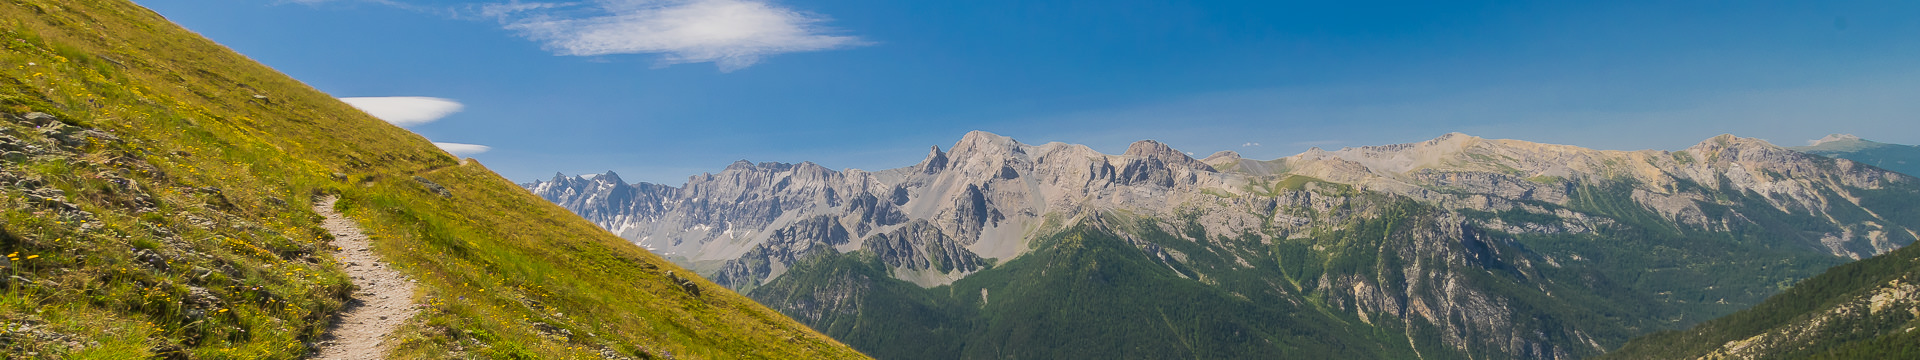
(921, 246)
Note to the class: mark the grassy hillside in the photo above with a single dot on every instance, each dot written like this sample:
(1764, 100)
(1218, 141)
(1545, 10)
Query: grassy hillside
(157, 188)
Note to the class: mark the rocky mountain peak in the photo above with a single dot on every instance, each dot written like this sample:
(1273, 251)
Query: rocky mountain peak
(741, 164)
(1727, 143)
(1833, 138)
(981, 154)
(804, 168)
(936, 161)
(1149, 148)
(1729, 140)
(609, 177)
(984, 142)
(811, 172)
(1223, 158)
(1166, 154)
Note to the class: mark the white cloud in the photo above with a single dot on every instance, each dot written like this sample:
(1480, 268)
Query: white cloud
(458, 149)
(405, 110)
(391, 3)
(732, 34)
(1250, 144)
(504, 10)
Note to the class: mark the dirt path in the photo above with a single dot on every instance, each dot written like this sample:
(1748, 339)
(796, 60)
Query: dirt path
(384, 301)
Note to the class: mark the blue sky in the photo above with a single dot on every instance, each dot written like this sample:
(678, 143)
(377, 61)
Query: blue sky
(658, 90)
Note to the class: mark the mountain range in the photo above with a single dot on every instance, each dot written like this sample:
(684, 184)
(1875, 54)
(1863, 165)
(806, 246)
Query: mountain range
(1456, 247)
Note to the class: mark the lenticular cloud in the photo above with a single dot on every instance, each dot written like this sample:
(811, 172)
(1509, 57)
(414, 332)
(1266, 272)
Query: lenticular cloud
(405, 110)
(732, 34)
(458, 149)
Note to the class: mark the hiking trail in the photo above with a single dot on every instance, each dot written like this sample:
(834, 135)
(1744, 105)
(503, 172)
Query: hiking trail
(384, 299)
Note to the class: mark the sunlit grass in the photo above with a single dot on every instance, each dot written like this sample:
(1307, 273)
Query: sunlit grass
(201, 241)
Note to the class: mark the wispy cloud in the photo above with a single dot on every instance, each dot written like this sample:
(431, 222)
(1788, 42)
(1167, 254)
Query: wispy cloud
(416, 110)
(458, 149)
(405, 110)
(509, 9)
(732, 34)
(390, 3)
(1250, 144)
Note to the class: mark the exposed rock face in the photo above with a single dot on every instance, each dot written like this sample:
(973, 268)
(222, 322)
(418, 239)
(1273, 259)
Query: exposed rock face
(1835, 139)
(783, 247)
(989, 197)
(921, 246)
(1464, 172)
(605, 199)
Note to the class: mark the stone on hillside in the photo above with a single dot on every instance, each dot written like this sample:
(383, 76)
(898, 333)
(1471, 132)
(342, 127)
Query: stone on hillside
(434, 187)
(152, 258)
(39, 118)
(685, 284)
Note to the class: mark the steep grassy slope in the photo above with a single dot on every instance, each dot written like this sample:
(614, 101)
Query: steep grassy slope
(157, 189)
